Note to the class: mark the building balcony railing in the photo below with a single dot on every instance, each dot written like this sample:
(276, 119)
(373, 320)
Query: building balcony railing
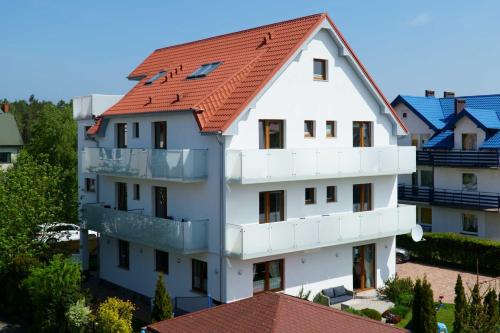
(459, 158)
(445, 197)
(169, 235)
(274, 165)
(181, 165)
(254, 240)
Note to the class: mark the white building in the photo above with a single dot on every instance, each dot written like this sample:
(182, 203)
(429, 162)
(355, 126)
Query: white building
(264, 159)
(10, 139)
(457, 182)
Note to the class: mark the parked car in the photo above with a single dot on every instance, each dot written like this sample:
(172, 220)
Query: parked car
(402, 255)
(60, 232)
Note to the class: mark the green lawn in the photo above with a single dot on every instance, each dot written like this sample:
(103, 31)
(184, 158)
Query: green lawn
(445, 315)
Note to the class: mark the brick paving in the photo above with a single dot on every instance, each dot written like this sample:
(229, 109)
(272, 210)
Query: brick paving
(443, 279)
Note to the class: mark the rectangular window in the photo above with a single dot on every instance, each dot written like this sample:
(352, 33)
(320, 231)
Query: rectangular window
(469, 182)
(161, 202)
(320, 68)
(137, 192)
(268, 276)
(204, 70)
(123, 254)
(85, 135)
(310, 195)
(414, 179)
(415, 140)
(160, 134)
(426, 178)
(362, 197)
(5, 157)
(121, 196)
(271, 134)
(424, 215)
(121, 135)
(361, 134)
(331, 130)
(199, 276)
(469, 223)
(161, 261)
(136, 130)
(308, 129)
(271, 206)
(89, 185)
(331, 194)
(469, 141)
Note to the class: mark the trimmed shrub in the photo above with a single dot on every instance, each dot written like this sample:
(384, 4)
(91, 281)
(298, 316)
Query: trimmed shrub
(115, 316)
(320, 299)
(162, 306)
(354, 311)
(455, 249)
(400, 310)
(396, 287)
(372, 313)
(424, 313)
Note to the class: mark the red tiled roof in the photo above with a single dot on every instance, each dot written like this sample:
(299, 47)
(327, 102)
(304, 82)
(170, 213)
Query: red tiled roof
(250, 58)
(272, 312)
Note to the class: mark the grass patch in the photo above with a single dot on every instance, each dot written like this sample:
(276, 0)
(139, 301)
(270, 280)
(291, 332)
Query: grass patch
(445, 315)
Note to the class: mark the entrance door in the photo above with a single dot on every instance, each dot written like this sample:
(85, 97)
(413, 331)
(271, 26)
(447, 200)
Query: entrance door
(160, 133)
(271, 206)
(161, 202)
(363, 267)
(271, 134)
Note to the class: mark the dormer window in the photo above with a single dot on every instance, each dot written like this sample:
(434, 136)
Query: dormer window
(204, 70)
(156, 77)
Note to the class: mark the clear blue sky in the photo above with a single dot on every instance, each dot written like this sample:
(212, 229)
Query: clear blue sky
(60, 49)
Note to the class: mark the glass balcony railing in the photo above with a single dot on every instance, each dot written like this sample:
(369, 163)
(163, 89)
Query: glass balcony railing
(168, 235)
(254, 240)
(274, 165)
(183, 165)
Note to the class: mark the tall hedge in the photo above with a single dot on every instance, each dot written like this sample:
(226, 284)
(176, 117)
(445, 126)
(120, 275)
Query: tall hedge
(456, 249)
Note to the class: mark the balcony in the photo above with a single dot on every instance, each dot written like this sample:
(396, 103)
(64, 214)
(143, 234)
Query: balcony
(487, 201)
(183, 165)
(185, 237)
(459, 158)
(252, 166)
(254, 240)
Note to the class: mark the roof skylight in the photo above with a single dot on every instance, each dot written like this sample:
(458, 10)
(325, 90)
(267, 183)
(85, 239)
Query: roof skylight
(156, 77)
(204, 70)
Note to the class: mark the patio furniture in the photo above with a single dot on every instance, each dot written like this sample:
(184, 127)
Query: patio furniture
(337, 295)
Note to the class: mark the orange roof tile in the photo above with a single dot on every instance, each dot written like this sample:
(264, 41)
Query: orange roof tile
(250, 58)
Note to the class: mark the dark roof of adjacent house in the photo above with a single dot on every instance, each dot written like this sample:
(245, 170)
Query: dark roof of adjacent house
(9, 133)
(272, 312)
(237, 66)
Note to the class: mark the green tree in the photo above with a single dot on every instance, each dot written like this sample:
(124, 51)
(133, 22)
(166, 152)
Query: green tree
(417, 306)
(477, 316)
(53, 289)
(162, 306)
(461, 321)
(491, 311)
(115, 316)
(424, 314)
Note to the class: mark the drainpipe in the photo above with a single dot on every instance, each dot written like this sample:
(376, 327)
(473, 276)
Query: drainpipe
(222, 213)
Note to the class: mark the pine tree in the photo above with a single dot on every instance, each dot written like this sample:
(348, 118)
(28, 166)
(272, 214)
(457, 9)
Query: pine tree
(460, 323)
(490, 304)
(417, 307)
(477, 317)
(428, 317)
(162, 307)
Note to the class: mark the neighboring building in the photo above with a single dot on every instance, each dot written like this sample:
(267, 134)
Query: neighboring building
(457, 182)
(272, 312)
(10, 139)
(191, 172)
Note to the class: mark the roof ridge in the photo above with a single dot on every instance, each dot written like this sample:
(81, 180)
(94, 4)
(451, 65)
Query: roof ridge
(267, 26)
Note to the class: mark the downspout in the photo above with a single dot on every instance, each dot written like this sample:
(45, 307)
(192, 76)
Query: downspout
(222, 212)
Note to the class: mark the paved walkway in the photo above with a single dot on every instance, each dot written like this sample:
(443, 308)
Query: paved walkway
(443, 279)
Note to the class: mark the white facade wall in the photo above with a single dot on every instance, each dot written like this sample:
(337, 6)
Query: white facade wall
(13, 151)
(467, 126)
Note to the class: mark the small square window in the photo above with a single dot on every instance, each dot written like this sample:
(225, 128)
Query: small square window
(310, 195)
(135, 130)
(161, 261)
(89, 185)
(137, 192)
(5, 157)
(404, 115)
(330, 129)
(469, 182)
(308, 129)
(320, 69)
(331, 194)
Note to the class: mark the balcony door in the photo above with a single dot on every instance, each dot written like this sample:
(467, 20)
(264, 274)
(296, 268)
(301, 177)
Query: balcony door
(161, 202)
(121, 135)
(121, 196)
(160, 134)
(268, 276)
(271, 134)
(362, 197)
(271, 206)
(363, 267)
(362, 134)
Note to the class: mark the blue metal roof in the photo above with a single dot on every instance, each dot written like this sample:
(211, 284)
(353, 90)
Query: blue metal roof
(492, 142)
(484, 119)
(444, 139)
